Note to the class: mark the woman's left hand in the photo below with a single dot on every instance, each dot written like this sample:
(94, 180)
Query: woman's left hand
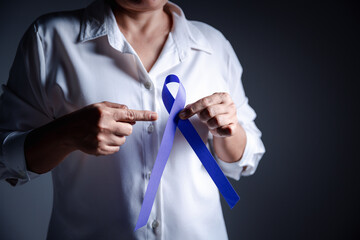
(217, 111)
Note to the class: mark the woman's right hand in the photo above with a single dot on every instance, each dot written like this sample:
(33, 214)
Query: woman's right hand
(97, 129)
(101, 128)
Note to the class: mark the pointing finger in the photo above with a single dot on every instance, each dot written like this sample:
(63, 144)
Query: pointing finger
(131, 115)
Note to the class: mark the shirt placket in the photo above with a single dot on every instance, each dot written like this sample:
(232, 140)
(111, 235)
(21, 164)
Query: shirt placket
(151, 87)
(151, 143)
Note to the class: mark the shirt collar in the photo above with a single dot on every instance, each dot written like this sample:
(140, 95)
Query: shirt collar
(93, 22)
(98, 21)
(186, 35)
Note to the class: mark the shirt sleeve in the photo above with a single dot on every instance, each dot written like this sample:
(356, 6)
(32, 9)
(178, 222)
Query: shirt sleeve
(22, 107)
(254, 148)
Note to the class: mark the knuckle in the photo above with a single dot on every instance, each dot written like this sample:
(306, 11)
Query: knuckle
(130, 130)
(98, 105)
(233, 109)
(116, 115)
(122, 106)
(101, 112)
(215, 94)
(218, 120)
(101, 128)
(142, 115)
(205, 102)
(94, 105)
(125, 130)
(122, 140)
(210, 112)
(100, 147)
(130, 115)
(99, 139)
(118, 131)
(226, 96)
(96, 109)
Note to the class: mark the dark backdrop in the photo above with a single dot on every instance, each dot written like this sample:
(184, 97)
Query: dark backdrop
(301, 62)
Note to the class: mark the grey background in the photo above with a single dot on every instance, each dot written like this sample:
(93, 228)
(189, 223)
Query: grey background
(301, 65)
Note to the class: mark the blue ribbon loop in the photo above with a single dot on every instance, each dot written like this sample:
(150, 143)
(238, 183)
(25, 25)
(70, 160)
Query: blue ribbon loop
(174, 106)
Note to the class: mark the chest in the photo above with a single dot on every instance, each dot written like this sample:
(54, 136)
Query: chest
(148, 49)
(96, 72)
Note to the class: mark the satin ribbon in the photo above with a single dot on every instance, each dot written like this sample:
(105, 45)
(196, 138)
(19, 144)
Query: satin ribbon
(174, 106)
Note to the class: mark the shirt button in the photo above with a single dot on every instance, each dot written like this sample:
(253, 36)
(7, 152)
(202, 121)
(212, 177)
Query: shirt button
(155, 224)
(150, 128)
(148, 174)
(147, 85)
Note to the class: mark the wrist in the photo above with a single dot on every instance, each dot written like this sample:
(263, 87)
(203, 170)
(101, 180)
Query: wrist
(231, 148)
(47, 146)
(63, 134)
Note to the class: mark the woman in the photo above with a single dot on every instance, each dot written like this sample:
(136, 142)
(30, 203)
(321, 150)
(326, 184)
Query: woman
(83, 100)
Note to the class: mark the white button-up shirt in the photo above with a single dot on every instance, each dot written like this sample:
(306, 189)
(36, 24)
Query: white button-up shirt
(68, 60)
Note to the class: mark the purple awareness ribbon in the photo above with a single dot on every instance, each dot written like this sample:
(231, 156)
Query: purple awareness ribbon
(174, 106)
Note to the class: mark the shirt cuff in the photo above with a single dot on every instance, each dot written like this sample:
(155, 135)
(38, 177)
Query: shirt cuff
(250, 159)
(14, 158)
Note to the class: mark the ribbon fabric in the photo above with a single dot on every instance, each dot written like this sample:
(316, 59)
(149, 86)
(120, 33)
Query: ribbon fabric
(174, 106)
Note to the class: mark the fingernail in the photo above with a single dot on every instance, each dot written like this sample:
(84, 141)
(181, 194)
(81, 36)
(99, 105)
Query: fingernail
(153, 116)
(182, 114)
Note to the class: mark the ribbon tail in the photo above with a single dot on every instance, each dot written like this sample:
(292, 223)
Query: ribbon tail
(197, 144)
(158, 169)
